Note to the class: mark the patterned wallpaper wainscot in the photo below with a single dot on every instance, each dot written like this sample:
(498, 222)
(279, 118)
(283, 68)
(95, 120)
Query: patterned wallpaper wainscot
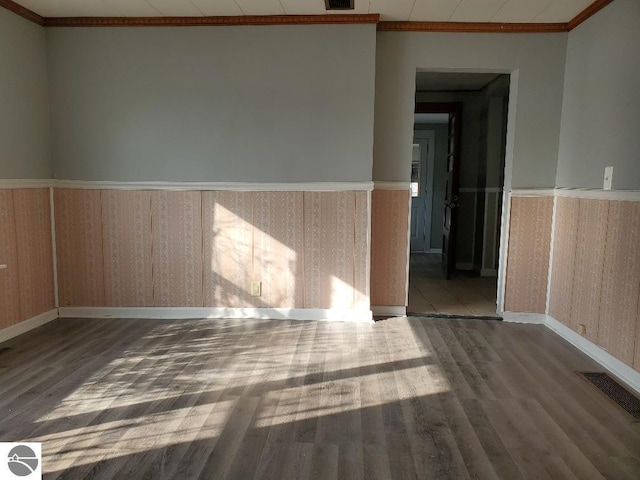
(157, 248)
(389, 247)
(595, 275)
(27, 283)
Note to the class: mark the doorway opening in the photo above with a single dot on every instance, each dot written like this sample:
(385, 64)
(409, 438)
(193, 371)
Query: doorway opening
(457, 180)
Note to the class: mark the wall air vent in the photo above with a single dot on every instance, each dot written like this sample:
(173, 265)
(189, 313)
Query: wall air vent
(339, 4)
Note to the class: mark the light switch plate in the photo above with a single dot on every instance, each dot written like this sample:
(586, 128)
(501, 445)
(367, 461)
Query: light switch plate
(608, 178)
(256, 289)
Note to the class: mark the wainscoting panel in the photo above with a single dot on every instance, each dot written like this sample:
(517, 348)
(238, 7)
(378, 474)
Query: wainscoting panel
(329, 236)
(177, 248)
(589, 263)
(361, 252)
(278, 248)
(35, 255)
(9, 291)
(126, 231)
(620, 281)
(228, 244)
(389, 224)
(78, 216)
(564, 254)
(528, 254)
(636, 357)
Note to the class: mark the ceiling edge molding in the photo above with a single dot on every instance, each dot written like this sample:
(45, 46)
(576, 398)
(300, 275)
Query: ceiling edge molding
(209, 21)
(22, 11)
(472, 27)
(591, 10)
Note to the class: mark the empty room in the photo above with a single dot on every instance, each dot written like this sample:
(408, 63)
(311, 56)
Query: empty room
(319, 239)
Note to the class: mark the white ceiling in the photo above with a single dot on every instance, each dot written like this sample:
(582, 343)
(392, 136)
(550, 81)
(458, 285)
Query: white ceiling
(508, 11)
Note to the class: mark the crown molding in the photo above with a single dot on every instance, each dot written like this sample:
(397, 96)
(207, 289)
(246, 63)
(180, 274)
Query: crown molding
(591, 10)
(472, 27)
(210, 21)
(461, 27)
(22, 11)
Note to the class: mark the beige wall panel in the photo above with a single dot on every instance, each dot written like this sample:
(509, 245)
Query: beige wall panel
(329, 237)
(620, 281)
(278, 249)
(389, 225)
(177, 248)
(564, 252)
(126, 231)
(228, 243)
(589, 264)
(79, 247)
(360, 277)
(528, 255)
(9, 292)
(636, 357)
(35, 254)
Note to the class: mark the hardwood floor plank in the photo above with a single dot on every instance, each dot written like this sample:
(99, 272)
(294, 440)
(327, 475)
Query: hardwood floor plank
(235, 399)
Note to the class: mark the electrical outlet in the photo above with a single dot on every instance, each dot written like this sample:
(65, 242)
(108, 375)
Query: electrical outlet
(608, 178)
(3, 266)
(582, 329)
(256, 288)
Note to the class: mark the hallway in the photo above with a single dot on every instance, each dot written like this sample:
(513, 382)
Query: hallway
(465, 294)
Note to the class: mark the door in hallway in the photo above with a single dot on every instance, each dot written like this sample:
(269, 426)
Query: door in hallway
(420, 231)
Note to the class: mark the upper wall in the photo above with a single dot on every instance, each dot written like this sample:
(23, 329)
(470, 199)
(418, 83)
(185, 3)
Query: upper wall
(250, 104)
(600, 120)
(538, 60)
(24, 101)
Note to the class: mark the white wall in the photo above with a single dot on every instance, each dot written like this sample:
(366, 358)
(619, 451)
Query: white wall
(256, 104)
(601, 105)
(24, 101)
(539, 61)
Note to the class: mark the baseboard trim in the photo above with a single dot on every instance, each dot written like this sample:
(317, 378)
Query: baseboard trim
(180, 313)
(27, 325)
(524, 317)
(489, 272)
(391, 310)
(620, 369)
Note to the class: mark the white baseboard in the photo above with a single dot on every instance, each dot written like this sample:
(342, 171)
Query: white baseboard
(620, 369)
(168, 313)
(23, 327)
(464, 266)
(390, 310)
(523, 317)
(489, 272)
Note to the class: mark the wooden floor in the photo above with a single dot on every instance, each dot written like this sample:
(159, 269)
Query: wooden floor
(466, 293)
(402, 398)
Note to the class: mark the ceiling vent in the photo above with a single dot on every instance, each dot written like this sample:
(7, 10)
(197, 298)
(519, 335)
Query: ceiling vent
(339, 4)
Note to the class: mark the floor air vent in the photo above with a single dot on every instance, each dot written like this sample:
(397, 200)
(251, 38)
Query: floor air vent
(339, 4)
(616, 392)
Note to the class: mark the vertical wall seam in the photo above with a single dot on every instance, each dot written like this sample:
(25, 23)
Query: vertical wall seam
(54, 248)
(547, 307)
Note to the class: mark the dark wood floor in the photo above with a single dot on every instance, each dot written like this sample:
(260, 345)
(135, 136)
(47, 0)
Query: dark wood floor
(403, 398)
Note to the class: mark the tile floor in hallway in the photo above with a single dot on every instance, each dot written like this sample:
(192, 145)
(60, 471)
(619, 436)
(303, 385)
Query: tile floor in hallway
(465, 294)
